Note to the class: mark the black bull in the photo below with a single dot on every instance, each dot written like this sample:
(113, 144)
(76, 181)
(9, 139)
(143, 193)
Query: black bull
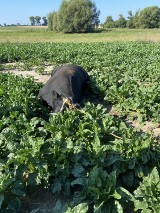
(68, 81)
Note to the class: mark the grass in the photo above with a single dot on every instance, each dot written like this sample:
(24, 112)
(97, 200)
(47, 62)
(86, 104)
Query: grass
(41, 34)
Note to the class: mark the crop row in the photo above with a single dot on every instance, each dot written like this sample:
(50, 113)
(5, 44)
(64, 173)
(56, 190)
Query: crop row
(126, 74)
(92, 157)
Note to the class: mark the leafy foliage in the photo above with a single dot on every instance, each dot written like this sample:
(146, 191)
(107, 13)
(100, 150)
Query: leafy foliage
(147, 196)
(127, 74)
(149, 17)
(74, 17)
(91, 157)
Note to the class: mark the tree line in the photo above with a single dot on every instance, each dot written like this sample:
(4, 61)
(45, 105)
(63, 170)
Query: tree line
(149, 17)
(82, 16)
(36, 20)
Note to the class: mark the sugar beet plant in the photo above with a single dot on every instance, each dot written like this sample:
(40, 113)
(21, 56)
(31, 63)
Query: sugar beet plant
(127, 74)
(93, 159)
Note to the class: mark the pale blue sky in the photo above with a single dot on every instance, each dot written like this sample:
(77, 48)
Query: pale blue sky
(19, 11)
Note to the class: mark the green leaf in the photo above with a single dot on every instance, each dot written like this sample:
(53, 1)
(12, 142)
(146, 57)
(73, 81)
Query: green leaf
(79, 197)
(78, 170)
(98, 207)
(94, 190)
(116, 195)
(81, 208)
(69, 143)
(97, 140)
(141, 205)
(58, 208)
(117, 207)
(125, 193)
(155, 176)
(79, 181)
(57, 187)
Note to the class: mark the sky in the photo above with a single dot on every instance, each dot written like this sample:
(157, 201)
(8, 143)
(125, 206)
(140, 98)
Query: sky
(19, 11)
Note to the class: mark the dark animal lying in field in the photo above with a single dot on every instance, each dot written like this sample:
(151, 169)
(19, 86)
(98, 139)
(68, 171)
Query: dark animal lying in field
(68, 81)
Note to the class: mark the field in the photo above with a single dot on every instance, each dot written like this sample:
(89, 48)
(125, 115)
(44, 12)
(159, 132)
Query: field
(93, 160)
(41, 34)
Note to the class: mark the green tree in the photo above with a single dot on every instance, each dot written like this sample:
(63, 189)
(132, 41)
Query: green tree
(130, 21)
(75, 16)
(50, 20)
(136, 19)
(149, 17)
(38, 20)
(56, 22)
(109, 23)
(32, 20)
(121, 22)
(53, 21)
(44, 21)
(95, 16)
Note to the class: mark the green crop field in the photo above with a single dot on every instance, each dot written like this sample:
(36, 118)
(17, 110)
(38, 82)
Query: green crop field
(89, 160)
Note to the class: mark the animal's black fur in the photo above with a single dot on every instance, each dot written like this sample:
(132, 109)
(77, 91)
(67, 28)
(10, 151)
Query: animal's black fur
(66, 81)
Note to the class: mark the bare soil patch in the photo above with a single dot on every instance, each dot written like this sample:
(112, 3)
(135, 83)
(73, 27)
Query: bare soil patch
(37, 77)
(146, 127)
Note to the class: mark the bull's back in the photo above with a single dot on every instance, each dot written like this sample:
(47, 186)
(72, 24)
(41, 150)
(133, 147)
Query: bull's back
(69, 80)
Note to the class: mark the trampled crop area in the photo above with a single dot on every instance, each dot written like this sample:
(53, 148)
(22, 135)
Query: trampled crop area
(91, 161)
